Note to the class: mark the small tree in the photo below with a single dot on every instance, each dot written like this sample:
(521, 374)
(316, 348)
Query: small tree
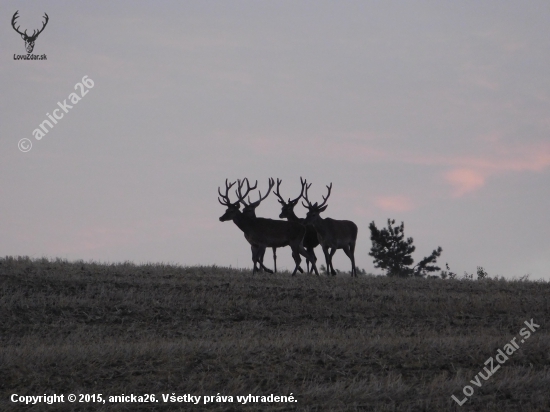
(392, 252)
(482, 273)
(448, 273)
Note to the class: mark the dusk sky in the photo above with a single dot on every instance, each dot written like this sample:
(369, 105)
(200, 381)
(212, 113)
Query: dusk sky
(429, 112)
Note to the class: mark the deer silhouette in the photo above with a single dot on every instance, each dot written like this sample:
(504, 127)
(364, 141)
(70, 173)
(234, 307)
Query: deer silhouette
(287, 212)
(332, 234)
(262, 233)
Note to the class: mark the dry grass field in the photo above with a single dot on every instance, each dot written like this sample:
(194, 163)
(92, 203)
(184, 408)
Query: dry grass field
(334, 343)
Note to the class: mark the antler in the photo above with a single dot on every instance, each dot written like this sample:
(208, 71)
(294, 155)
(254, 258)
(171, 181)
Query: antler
(226, 201)
(292, 202)
(309, 205)
(304, 184)
(261, 199)
(256, 203)
(248, 189)
(276, 192)
(328, 195)
(15, 17)
(306, 198)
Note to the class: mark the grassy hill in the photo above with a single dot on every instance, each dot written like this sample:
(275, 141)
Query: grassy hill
(334, 343)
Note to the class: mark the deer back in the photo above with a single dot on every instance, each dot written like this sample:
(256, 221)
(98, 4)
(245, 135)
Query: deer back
(335, 233)
(269, 232)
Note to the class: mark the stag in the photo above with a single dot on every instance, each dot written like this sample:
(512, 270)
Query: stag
(264, 233)
(29, 40)
(310, 241)
(257, 252)
(250, 210)
(335, 234)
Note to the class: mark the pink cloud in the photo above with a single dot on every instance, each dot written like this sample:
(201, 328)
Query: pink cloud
(464, 181)
(470, 172)
(498, 158)
(397, 203)
(464, 172)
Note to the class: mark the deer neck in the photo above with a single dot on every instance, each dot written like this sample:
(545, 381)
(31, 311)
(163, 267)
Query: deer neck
(319, 224)
(243, 222)
(293, 218)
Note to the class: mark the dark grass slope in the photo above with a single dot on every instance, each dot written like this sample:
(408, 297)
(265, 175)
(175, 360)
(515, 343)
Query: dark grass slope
(371, 343)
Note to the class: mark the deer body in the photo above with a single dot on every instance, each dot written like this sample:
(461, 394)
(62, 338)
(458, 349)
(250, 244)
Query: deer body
(336, 234)
(310, 241)
(264, 232)
(332, 234)
(261, 252)
(250, 210)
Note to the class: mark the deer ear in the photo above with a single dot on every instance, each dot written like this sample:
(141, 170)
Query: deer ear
(323, 209)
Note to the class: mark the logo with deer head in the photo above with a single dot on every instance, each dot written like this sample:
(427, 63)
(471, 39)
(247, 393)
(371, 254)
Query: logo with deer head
(29, 40)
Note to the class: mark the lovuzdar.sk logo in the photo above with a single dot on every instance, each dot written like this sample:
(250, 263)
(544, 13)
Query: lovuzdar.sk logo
(29, 40)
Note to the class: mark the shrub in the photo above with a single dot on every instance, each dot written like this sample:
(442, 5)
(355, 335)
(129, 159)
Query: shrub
(392, 252)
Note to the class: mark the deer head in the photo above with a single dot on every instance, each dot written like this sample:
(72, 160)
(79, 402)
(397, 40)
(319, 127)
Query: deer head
(287, 208)
(232, 208)
(29, 40)
(250, 207)
(314, 209)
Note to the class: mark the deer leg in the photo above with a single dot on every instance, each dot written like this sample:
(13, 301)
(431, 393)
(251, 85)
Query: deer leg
(297, 259)
(332, 252)
(300, 248)
(352, 257)
(314, 266)
(327, 260)
(313, 260)
(275, 259)
(264, 268)
(307, 260)
(348, 251)
(254, 258)
(312, 253)
(263, 248)
(267, 269)
(305, 253)
(259, 253)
